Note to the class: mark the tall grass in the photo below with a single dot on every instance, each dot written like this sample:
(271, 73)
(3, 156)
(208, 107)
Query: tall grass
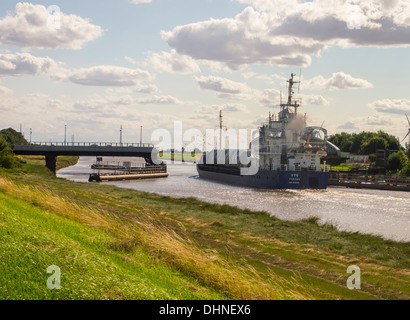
(172, 249)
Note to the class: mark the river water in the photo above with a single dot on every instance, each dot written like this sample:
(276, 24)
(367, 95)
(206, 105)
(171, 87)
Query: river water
(385, 213)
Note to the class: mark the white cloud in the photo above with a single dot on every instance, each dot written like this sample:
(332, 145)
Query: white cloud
(159, 100)
(291, 32)
(146, 88)
(349, 125)
(270, 98)
(337, 81)
(6, 91)
(224, 88)
(373, 122)
(240, 41)
(213, 110)
(393, 106)
(317, 100)
(140, 1)
(172, 62)
(21, 64)
(109, 76)
(28, 29)
(131, 60)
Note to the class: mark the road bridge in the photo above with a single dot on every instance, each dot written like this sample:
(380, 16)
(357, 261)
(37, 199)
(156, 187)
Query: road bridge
(51, 150)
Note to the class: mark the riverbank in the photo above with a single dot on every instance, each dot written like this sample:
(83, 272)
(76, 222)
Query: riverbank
(114, 243)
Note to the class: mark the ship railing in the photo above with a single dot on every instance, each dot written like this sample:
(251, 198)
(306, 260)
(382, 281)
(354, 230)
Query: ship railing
(123, 164)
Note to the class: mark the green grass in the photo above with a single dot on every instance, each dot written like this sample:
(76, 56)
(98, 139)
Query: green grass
(114, 243)
(178, 156)
(93, 266)
(349, 166)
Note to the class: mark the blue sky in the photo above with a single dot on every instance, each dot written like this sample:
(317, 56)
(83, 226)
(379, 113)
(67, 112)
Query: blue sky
(114, 63)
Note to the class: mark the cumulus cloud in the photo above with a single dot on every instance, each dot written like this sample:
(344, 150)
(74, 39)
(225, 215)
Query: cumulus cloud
(337, 81)
(289, 32)
(270, 98)
(29, 28)
(159, 100)
(394, 106)
(349, 125)
(21, 64)
(239, 41)
(5, 91)
(111, 76)
(150, 88)
(140, 1)
(371, 123)
(172, 62)
(213, 110)
(224, 88)
(316, 100)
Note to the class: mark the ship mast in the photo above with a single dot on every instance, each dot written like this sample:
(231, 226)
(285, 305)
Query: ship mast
(291, 103)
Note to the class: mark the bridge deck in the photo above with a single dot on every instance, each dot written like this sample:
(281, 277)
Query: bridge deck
(52, 150)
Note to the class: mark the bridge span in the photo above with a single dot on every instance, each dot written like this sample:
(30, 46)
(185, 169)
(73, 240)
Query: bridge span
(51, 150)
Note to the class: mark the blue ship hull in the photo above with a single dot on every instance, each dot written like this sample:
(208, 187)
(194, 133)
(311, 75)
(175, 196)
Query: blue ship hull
(267, 179)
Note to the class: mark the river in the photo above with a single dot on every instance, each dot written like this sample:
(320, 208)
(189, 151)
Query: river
(384, 213)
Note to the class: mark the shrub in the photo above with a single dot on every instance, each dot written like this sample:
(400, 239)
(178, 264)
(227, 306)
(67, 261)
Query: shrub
(396, 161)
(7, 158)
(406, 170)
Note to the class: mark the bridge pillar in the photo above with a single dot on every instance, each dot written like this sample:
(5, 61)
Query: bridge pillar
(51, 163)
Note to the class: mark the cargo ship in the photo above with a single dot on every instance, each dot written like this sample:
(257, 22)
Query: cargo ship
(285, 155)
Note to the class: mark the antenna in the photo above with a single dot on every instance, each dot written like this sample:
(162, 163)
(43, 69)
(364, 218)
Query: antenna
(121, 136)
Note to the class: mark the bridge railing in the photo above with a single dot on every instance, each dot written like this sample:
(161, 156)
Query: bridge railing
(92, 144)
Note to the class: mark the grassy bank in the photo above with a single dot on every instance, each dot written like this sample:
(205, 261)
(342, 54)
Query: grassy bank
(62, 161)
(177, 156)
(113, 243)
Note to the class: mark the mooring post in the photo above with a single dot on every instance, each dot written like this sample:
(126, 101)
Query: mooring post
(51, 162)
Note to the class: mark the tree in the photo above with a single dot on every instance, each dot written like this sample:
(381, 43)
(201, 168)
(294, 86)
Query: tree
(365, 143)
(7, 158)
(13, 137)
(371, 145)
(406, 170)
(396, 161)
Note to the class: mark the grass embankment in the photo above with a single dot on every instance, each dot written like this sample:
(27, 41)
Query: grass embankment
(62, 161)
(350, 166)
(113, 243)
(187, 156)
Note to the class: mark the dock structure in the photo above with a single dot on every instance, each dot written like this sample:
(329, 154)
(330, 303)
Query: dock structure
(51, 150)
(367, 181)
(125, 171)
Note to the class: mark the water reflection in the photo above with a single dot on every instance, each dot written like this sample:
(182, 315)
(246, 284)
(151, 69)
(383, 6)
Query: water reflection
(386, 213)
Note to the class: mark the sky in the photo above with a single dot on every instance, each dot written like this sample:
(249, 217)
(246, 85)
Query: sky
(95, 66)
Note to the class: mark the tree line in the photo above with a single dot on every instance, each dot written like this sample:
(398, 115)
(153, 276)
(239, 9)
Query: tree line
(8, 139)
(366, 143)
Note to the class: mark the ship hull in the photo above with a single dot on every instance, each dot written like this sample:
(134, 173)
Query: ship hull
(268, 179)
